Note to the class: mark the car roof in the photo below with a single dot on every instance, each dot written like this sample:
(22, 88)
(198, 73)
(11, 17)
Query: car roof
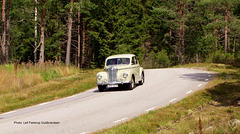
(121, 56)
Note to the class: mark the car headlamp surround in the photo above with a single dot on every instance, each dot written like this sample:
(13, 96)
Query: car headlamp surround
(125, 75)
(99, 76)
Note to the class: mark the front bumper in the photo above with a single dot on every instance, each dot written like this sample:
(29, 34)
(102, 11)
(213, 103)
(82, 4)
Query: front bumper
(114, 83)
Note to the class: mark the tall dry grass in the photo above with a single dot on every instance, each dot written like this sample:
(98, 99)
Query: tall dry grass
(27, 74)
(25, 84)
(9, 81)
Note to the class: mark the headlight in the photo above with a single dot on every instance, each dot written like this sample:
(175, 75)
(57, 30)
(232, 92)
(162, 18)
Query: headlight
(125, 75)
(99, 76)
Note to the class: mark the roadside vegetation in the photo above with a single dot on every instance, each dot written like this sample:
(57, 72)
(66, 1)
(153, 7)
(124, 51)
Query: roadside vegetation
(214, 109)
(27, 84)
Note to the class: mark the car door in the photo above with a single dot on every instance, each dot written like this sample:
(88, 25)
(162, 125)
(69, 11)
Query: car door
(136, 68)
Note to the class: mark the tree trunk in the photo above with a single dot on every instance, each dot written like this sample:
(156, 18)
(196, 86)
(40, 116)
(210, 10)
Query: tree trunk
(229, 44)
(83, 43)
(69, 35)
(41, 59)
(183, 43)
(88, 55)
(180, 34)
(79, 38)
(234, 45)
(226, 28)
(216, 35)
(3, 40)
(76, 59)
(7, 30)
(197, 59)
(35, 32)
(170, 33)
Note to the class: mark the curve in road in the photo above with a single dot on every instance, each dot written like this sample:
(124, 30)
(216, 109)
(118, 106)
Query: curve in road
(91, 110)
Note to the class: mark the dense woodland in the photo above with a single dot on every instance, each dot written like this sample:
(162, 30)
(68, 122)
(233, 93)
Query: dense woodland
(161, 33)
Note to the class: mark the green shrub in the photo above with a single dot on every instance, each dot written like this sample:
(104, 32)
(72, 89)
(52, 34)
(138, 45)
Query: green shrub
(93, 65)
(218, 57)
(162, 59)
(229, 58)
(50, 75)
(156, 60)
(221, 57)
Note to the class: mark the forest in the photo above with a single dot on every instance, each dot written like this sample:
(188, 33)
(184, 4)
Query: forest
(83, 33)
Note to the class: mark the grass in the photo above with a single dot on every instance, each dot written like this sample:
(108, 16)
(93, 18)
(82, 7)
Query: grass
(216, 107)
(32, 85)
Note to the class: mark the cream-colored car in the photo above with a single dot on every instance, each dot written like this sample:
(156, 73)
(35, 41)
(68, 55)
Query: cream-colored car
(121, 71)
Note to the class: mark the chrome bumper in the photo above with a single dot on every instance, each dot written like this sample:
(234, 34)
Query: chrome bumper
(114, 83)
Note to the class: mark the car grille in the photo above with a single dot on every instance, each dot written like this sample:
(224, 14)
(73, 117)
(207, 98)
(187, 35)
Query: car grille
(112, 74)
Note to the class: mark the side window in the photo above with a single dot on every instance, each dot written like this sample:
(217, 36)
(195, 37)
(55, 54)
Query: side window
(133, 60)
(137, 61)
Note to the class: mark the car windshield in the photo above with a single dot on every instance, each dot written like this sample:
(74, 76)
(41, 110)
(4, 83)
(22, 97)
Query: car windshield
(118, 61)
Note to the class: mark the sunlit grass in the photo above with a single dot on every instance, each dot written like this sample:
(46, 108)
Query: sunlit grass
(33, 84)
(27, 75)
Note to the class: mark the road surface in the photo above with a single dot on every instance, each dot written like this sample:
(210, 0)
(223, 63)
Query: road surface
(91, 111)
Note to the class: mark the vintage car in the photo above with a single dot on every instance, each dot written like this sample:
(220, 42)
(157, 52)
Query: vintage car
(121, 71)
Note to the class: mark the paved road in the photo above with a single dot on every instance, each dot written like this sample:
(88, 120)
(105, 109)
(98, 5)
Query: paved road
(91, 111)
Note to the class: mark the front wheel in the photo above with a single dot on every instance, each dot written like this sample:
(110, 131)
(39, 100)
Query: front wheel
(142, 79)
(101, 88)
(132, 85)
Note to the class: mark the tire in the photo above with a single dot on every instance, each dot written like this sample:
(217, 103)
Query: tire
(101, 88)
(142, 79)
(132, 85)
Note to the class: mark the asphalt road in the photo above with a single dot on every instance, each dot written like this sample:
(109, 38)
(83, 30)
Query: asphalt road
(92, 110)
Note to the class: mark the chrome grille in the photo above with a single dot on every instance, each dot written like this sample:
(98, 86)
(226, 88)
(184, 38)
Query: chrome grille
(112, 74)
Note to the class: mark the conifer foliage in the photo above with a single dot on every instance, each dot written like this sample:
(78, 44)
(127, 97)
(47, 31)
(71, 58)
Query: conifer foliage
(84, 32)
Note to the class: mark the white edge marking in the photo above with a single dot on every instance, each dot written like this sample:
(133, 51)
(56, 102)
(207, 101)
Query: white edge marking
(150, 109)
(117, 121)
(206, 79)
(85, 132)
(72, 96)
(9, 112)
(173, 100)
(189, 92)
(199, 85)
(43, 104)
(120, 120)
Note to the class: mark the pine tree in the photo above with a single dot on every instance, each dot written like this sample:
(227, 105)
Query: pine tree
(35, 32)
(3, 38)
(42, 47)
(69, 35)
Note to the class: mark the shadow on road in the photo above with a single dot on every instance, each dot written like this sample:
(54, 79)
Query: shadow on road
(198, 76)
(116, 89)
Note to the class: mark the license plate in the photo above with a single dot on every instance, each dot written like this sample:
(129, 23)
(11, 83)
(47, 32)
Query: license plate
(112, 85)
